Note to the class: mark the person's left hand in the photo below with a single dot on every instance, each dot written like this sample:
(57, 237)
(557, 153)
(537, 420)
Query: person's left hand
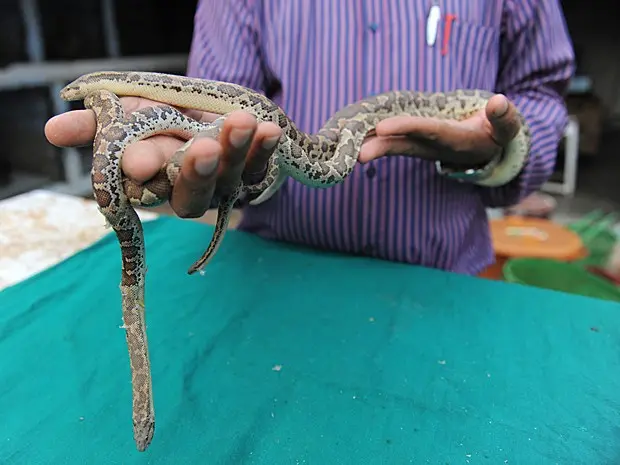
(469, 142)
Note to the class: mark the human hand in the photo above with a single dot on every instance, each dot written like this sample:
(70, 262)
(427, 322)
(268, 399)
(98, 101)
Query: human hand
(210, 167)
(470, 142)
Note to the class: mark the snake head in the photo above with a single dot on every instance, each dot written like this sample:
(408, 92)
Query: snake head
(70, 92)
(77, 89)
(83, 85)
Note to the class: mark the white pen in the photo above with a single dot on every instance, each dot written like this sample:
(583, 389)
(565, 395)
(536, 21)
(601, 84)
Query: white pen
(432, 22)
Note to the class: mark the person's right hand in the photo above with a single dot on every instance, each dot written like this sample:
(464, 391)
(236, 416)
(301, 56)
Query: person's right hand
(209, 168)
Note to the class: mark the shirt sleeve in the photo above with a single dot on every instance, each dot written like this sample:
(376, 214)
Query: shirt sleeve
(226, 43)
(537, 62)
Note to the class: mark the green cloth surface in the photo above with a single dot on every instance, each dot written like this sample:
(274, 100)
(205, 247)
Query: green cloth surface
(381, 363)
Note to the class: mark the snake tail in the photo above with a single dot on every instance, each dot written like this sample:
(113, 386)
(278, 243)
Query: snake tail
(114, 134)
(113, 204)
(271, 189)
(224, 211)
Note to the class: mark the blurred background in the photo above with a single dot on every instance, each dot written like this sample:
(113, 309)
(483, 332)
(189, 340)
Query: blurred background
(45, 44)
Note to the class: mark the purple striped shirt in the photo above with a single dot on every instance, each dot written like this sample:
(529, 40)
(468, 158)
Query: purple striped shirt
(313, 57)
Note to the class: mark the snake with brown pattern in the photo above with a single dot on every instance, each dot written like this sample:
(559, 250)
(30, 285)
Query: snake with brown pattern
(318, 160)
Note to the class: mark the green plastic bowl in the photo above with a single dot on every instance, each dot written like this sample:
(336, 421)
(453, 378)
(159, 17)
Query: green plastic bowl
(559, 276)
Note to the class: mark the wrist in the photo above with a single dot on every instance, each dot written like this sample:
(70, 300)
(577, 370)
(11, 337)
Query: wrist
(498, 172)
(469, 173)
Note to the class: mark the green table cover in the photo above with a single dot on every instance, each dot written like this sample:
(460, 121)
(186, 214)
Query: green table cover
(282, 355)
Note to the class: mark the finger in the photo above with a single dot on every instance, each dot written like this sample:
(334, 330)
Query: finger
(265, 140)
(444, 133)
(72, 129)
(144, 158)
(236, 136)
(419, 148)
(399, 145)
(431, 129)
(195, 186)
(504, 119)
(457, 136)
(77, 128)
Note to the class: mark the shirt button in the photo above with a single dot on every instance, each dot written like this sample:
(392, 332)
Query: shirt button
(373, 27)
(371, 172)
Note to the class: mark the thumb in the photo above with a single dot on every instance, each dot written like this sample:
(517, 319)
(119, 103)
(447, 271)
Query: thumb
(72, 129)
(503, 118)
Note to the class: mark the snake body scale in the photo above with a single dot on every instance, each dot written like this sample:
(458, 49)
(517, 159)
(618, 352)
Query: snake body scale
(318, 160)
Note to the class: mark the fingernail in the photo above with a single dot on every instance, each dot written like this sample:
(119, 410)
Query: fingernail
(205, 167)
(502, 109)
(239, 137)
(271, 142)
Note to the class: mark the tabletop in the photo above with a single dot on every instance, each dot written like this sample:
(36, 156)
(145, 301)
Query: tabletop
(283, 355)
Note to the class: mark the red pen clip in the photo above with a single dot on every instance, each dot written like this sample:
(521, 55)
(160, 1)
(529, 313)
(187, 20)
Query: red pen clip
(446, 33)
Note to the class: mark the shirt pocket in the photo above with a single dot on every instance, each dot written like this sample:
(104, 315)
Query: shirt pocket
(467, 53)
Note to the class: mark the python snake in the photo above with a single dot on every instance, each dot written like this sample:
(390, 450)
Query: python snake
(318, 160)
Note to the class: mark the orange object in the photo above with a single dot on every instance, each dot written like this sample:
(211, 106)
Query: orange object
(446, 33)
(517, 236)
